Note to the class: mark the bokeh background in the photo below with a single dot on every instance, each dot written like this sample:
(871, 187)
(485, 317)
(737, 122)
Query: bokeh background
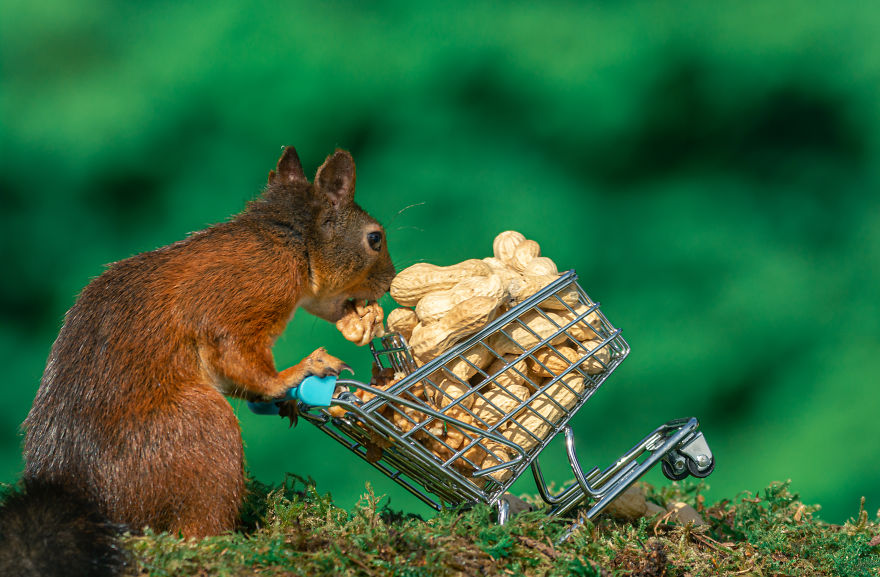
(710, 169)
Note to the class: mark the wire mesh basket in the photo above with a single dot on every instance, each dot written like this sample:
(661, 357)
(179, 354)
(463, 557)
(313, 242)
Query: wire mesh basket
(464, 426)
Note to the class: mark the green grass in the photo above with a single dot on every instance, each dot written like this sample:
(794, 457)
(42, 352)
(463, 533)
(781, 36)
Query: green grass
(295, 530)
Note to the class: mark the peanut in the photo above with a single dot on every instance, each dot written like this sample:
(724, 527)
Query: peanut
(501, 269)
(534, 423)
(585, 329)
(455, 437)
(448, 390)
(432, 307)
(362, 323)
(402, 320)
(464, 319)
(541, 266)
(485, 454)
(496, 454)
(504, 245)
(351, 328)
(466, 365)
(598, 362)
(405, 418)
(494, 263)
(475, 454)
(526, 285)
(494, 403)
(413, 283)
(524, 253)
(439, 449)
(515, 375)
(524, 333)
(547, 362)
(336, 411)
(466, 470)
(382, 379)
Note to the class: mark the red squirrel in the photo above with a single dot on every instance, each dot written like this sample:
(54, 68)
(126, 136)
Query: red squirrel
(131, 410)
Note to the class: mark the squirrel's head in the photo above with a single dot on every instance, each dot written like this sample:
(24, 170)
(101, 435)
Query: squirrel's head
(346, 248)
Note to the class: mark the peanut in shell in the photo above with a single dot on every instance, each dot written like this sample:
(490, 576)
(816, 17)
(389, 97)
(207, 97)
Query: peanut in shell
(418, 280)
(464, 319)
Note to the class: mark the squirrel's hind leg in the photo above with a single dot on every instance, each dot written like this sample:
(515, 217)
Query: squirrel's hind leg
(184, 476)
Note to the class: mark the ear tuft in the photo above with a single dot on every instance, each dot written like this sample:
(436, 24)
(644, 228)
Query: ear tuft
(289, 168)
(336, 177)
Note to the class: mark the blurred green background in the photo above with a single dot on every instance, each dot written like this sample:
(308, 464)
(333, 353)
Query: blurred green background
(708, 168)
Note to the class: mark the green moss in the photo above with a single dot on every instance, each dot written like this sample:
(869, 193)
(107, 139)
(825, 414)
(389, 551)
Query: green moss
(295, 530)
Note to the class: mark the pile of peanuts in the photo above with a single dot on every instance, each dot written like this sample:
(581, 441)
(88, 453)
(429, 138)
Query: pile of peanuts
(441, 306)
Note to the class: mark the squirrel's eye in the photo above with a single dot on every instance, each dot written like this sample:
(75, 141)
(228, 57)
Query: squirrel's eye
(374, 239)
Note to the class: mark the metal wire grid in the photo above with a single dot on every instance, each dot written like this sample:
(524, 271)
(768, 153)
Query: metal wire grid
(460, 426)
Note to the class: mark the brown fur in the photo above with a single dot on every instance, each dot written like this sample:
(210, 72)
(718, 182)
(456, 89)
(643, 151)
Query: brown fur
(131, 406)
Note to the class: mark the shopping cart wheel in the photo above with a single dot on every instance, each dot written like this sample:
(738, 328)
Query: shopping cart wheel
(696, 472)
(674, 474)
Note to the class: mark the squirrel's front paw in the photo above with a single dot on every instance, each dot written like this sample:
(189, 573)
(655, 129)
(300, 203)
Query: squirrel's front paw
(322, 364)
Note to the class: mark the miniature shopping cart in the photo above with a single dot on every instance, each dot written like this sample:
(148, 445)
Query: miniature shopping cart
(464, 426)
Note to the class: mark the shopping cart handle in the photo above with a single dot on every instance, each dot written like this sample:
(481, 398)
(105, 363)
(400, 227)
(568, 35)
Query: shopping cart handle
(313, 391)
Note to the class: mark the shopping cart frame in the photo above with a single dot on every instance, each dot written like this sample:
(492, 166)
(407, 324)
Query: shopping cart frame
(678, 445)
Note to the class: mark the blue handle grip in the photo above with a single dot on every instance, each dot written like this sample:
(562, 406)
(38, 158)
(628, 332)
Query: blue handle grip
(313, 391)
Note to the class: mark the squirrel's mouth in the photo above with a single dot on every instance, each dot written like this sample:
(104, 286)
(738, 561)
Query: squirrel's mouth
(355, 304)
(333, 309)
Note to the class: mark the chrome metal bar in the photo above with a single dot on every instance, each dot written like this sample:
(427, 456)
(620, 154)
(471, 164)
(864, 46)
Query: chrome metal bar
(503, 511)
(630, 473)
(563, 495)
(429, 411)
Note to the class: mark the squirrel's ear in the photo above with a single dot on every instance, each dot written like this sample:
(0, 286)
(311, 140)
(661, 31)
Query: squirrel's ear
(289, 168)
(336, 177)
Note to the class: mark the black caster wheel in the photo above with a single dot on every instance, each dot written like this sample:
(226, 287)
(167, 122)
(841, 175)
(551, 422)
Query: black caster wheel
(670, 473)
(692, 468)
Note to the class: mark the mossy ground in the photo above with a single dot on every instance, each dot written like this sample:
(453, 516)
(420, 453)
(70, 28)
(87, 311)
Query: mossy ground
(294, 530)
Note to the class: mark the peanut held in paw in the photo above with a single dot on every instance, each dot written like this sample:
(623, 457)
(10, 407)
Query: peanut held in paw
(362, 323)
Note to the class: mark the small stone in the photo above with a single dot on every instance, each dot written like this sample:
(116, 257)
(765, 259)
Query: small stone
(516, 504)
(653, 509)
(684, 514)
(629, 505)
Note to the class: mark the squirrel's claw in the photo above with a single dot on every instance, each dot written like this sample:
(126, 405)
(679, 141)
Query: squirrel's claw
(335, 371)
(289, 410)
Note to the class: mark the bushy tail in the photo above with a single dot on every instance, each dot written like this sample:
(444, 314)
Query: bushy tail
(47, 530)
